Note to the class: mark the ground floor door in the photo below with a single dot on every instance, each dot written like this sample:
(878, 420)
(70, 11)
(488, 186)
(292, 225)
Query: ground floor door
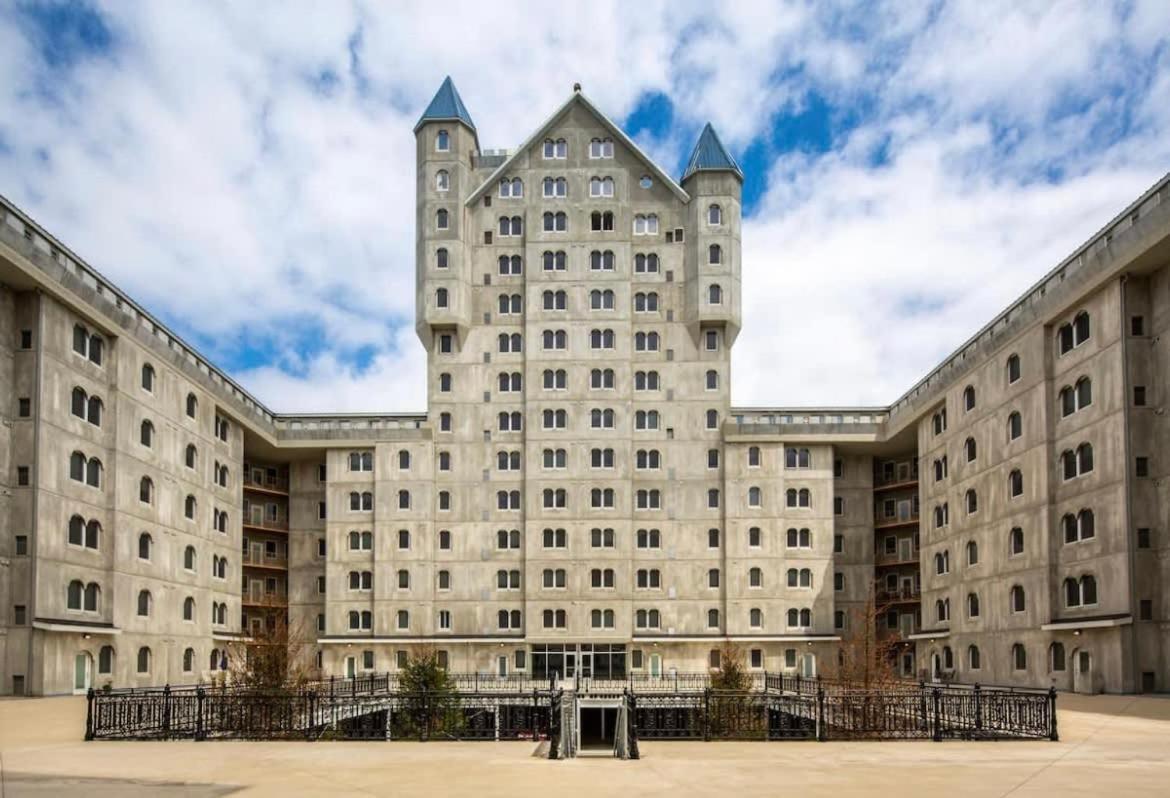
(808, 666)
(1082, 664)
(350, 667)
(655, 665)
(502, 665)
(82, 672)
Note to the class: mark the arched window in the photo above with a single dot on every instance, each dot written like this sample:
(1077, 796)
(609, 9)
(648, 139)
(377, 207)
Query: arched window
(191, 455)
(972, 605)
(755, 618)
(441, 258)
(189, 507)
(77, 530)
(973, 662)
(969, 398)
(106, 660)
(1016, 599)
(972, 501)
(144, 602)
(441, 219)
(188, 609)
(77, 463)
(74, 594)
(1015, 426)
(714, 294)
(144, 660)
(712, 619)
(189, 558)
(443, 141)
(714, 254)
(192, 405)
(1055, 657)
(1015, 483)
(1016, 541)
(145, 544)
(93, 411)
(148, 377)
(972, 553)
(1013, 368)
(1019, 657)
(146, 434)
(1088, 590)
(442, 180)
(714, 215)
(755, 498)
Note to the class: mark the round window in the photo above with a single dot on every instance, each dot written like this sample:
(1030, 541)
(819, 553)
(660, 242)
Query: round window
(646, 181)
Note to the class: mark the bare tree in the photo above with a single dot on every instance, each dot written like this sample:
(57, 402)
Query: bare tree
(279, 655)
(732, 674)
(866, 658)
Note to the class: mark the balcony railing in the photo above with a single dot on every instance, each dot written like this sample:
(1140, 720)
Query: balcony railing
(265, 561)
(902, 595)
(897, 558)
(275, 484)
(272, 524)
(881, 522)
(257, 599)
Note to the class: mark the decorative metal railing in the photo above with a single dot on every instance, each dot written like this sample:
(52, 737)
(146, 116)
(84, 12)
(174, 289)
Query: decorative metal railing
(779, 707)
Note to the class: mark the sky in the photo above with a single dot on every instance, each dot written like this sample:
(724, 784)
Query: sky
(246, 170)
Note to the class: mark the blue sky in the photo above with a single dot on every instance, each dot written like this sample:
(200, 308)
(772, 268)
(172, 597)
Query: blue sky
(246, 169)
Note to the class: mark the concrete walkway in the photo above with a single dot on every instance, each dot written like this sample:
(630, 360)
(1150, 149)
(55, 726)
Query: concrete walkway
(1111, 746)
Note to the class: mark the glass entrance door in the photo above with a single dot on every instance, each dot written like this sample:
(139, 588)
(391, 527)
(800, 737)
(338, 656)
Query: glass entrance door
(81, 672)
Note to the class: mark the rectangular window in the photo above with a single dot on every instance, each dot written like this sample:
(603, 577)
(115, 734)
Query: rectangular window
(22, 477)
(1141, 466)
(26, 339)
(1137, 326)
(757, 658)
(22, 545)
(19, 615)
(1143, 537)
(321, 511)
(838, 544)
(24, 407)
(1145, 610)
(1139, 395)
(321, 472)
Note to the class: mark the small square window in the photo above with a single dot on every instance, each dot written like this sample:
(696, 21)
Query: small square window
(24, 407)
(26, 339)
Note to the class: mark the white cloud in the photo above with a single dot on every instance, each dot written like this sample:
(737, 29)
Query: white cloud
(247, 170)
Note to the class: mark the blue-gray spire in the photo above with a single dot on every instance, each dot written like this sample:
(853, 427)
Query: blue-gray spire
(446, 106)
(711, 155)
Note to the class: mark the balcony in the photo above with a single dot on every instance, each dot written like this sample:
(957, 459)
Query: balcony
(897, 558)
(893, 522)
(895, 484)
(901, 596)
(254, 598)
(266, 524)
(265, 561)
(265, 483)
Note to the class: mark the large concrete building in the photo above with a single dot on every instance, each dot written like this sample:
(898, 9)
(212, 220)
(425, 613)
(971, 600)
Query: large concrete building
(579, 496)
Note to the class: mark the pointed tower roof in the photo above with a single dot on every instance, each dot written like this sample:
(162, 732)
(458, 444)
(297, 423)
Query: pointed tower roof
(446, 106)
(711, 155)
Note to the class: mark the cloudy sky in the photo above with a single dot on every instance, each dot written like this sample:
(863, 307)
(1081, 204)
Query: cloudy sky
(246, 169)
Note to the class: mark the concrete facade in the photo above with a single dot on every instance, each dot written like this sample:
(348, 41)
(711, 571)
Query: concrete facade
(580, 495)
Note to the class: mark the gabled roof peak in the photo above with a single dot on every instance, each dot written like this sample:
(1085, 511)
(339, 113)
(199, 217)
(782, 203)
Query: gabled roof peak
(710, 155)
(447, 105)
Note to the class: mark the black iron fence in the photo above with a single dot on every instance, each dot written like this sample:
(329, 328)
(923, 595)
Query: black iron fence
(780, 707)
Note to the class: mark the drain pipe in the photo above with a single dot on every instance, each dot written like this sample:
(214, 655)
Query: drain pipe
(1127, 442)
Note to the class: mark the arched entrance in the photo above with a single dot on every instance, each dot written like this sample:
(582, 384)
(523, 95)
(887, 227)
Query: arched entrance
(82, 672)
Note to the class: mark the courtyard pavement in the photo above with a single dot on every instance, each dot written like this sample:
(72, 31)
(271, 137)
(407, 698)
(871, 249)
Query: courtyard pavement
(1111, 746)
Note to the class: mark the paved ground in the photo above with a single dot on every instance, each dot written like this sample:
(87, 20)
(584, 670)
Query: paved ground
(1110, 745)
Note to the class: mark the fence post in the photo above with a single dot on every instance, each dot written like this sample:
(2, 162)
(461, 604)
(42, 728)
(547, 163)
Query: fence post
(89, 714)
(311, 721)
(424, 731)
(332, 679)
(798, 683)
(166, 718)
(937, 736)
(978, 707)
(200, 732)
(632, 726)
(676, 681)
(1052, 735)
(822, 731)
(706, 714)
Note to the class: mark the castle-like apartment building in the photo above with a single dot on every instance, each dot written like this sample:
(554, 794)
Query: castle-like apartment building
(580, 497)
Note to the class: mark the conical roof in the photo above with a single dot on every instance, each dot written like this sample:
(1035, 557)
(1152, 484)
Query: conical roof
(447, 105)
(710, 155)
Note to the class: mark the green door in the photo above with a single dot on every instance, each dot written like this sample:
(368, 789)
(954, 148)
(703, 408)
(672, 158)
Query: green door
(81, 672)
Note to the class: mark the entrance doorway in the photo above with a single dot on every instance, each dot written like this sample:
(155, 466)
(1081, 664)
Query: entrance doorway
(82, 672)
(597, 727)
(1082, 664)
(350, 667)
